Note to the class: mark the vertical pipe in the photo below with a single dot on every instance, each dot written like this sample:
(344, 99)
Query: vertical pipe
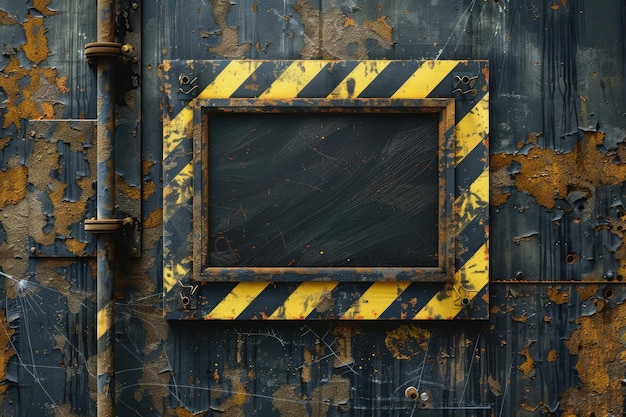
(105, 191)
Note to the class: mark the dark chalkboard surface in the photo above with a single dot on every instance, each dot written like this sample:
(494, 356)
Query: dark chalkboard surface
(323, 189)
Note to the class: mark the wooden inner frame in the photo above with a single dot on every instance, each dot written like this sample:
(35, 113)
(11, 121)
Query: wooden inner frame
(444, 272)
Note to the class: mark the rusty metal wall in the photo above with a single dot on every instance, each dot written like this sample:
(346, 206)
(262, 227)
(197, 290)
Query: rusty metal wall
(555, 342)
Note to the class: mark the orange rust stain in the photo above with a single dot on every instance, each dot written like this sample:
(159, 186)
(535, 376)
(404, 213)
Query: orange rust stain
(343, 335)
(528, 366)
(557, 296)
(407, 341)
(145, 166)
(6, 351)
(554, 6)
(42, 7)
(61, 85)
(587, 291)
(36, 47)
(348, 21)
(7, 19)
(549, 176)
(598, 342)
(382, 28)
(184, 412)
(24, 102)
(13, 185)
(305, 374)
(128, 190)
(553, 355)
(75, 246)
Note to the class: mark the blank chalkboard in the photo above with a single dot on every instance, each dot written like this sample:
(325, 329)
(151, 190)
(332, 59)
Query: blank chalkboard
(323, 189)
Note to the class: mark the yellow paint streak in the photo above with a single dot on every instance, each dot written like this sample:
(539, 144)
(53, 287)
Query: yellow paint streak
(303, 300)
(173, 272)
(104, 320)
(36, 47)
(237, 300)
(468, 281)
(375, 300)
(361, 76)
(179, 190)
(13, 185)
(177, 129)
(473, 201)
(293, 80)
(472, 130)
(425, 79)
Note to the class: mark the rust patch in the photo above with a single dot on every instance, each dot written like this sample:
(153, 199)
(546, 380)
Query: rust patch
(7, 19)
(553, 355)
(343, 336)
(407, 341)
(586, 292)
(557, 296)
(24, 101)
(6, 351)
(154, 219)
(548, 175)
(36, 47)
(381, 28)
(334, 393)
(184, 412)
(528, 366)
(42, 7)
(340, 37)
(494, 386)
(229, 46)
(598, 342)
(12, 185)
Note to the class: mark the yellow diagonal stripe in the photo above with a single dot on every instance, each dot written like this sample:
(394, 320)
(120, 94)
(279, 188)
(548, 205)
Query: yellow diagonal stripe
(237, 300)
(468, 281)
(375, 300)
(304, 300)
(425, 79)
(230, 79)
(359, 78)
(176, 129)
(179, 189)
(472, 129)
(293, 79)
(104, 320)
(473, 201)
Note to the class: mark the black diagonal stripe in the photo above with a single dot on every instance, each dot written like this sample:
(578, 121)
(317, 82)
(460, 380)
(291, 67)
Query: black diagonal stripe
(478, 308)
(390, 79)
(261, 79)
(271, 298)
(213, 294)
(471, 238)
(343, 296)
(327, 79)
(411, 301)
(471, 167)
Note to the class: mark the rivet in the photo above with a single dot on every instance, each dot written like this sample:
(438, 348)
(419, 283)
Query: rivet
(411, 393)
(33, 249)
(135, 6)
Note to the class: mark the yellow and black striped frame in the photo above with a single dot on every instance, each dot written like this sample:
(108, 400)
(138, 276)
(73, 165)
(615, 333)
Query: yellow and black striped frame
(458, 289)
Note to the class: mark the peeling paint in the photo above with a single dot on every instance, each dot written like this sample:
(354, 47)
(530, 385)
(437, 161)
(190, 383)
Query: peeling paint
(407, 341)
(548, 175)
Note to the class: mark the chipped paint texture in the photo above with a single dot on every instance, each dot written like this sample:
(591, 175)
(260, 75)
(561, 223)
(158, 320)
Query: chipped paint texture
(555, 341)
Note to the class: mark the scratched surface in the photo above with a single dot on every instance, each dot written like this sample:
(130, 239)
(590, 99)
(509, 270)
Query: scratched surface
(554, 344)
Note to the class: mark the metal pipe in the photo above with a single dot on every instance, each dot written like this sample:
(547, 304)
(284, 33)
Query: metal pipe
(105, 53)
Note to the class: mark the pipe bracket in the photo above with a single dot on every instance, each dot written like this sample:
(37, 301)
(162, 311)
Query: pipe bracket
(103, 225)
(103, 49)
